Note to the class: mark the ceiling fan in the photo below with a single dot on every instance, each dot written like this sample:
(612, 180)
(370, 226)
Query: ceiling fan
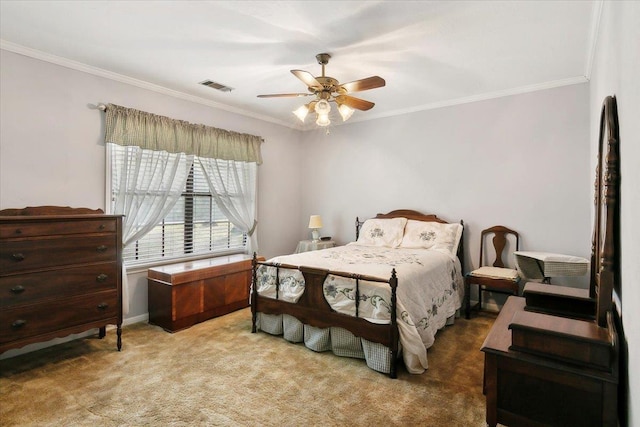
(327, 89)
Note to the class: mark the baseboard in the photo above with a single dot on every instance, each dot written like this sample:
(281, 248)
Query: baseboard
(136, 319)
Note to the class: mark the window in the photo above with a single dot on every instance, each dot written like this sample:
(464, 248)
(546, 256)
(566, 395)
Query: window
(194, 227)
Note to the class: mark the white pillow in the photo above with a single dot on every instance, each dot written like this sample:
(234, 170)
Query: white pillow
(386, 232)
(432, 235)
(495, 273)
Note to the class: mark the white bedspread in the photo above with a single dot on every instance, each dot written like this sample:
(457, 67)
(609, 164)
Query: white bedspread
(429, 289)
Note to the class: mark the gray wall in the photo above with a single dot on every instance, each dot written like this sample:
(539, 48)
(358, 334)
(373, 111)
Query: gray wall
(521, 161)
(616, 71)
(52, 150)
(447, 161)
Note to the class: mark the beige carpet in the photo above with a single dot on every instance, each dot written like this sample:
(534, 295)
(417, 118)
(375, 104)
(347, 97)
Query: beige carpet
(218, 373)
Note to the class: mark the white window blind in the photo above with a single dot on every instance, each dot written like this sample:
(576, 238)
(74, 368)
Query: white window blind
(193, 228)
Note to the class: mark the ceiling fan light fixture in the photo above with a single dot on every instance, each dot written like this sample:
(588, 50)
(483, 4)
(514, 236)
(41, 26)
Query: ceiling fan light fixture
(327, 89)
(301, 112)
(345, 111)
(323, 107)
(323, 120)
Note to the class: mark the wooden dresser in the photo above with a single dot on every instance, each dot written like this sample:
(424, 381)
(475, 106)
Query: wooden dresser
(186, 293)
(552, 358)
(542, 370)
(60, 273)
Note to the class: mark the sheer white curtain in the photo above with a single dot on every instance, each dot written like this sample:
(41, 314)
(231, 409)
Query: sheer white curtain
(233, 185)
(145, 194)
(144, 189)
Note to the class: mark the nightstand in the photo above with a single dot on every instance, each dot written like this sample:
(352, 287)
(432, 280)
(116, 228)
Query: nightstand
(310, 245)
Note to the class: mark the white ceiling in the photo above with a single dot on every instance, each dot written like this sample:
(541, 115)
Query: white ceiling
(431, 53)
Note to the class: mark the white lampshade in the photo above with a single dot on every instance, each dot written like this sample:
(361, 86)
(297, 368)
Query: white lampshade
(301, 112)
(315, 221)
(345, 111)
(323, 120)
(323, 107)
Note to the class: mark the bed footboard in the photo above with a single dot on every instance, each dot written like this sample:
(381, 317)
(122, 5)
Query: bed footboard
(313, 309)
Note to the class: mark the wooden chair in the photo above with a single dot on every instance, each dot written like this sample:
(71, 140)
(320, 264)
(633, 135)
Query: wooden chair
(497, 277)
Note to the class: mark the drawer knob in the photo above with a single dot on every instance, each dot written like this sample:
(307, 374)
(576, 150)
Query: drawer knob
(18, 256)
(17, 289)
(18, 231)
(102, 277)
(103, 306)
(102, 227)
(101, 248)
(18, 323)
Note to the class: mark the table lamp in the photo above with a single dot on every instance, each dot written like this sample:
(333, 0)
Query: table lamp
(315, 222)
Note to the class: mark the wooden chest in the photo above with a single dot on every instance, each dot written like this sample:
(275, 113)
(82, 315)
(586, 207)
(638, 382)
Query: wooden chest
(60, 273)
(532, 381)
(183, 294)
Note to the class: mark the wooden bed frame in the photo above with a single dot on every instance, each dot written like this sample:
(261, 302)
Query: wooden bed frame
(313, 309)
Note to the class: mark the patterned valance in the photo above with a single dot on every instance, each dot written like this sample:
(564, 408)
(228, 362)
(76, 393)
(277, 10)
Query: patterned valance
(126, 126)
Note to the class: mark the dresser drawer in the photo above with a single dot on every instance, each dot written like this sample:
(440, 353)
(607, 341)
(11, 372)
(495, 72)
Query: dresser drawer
(22, 255)
(27, 321)
(34, 228)
(67, 282)
(60, 273)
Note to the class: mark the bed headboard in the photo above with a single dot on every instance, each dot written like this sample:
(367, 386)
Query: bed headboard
(605, 249)
(418, 216)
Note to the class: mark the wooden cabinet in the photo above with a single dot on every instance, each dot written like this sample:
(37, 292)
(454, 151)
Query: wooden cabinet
(183, 294)
(560, 300)
(542, 370)
(60, 273)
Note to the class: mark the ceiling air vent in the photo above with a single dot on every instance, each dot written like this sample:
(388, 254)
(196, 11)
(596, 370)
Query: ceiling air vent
(217, 86)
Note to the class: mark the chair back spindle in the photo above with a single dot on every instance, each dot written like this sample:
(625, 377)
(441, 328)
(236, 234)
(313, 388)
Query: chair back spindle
(500, 234)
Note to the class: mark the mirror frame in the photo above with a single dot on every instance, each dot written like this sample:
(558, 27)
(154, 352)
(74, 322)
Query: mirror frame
(605, 250)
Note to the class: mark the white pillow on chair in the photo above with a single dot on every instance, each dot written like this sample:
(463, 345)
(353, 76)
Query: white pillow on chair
(496, 273)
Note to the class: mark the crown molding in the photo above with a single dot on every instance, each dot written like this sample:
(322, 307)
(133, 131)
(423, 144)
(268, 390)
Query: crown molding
(78, 66)
(460, 101)
(594, 33)
(482, 97)
(64, 62)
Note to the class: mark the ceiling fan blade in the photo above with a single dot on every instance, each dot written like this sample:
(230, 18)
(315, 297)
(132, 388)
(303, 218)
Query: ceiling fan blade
(358, 104)
(284, 95)
(364, 84)
(307, 78)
